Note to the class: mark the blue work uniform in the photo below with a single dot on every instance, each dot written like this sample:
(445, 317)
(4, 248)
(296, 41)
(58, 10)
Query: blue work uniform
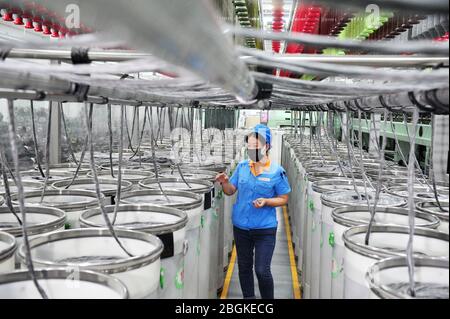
(271, 183)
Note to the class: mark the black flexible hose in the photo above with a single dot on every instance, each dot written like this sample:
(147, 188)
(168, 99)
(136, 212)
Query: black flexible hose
(110, 140)
(95, 177)
(119, 172)
(66, 132)
(155, 166)
(141, 136)
(21, 199)
(130, 142)
(47, 151)
(6, 186)
(36, 147)
(83, 154)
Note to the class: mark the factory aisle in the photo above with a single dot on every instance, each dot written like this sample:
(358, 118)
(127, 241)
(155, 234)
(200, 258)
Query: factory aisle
(286, 282)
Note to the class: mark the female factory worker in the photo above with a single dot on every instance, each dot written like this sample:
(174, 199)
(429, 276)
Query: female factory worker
(261, 187)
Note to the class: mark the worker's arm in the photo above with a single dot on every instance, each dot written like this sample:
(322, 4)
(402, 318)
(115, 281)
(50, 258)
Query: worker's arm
(271, 202)
(227, 187)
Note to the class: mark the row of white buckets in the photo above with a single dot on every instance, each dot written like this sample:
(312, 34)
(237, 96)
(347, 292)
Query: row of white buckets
(169, 224)
(175, 239)
(69, 262)
(344, 218)
(326, 208)
(165, 255)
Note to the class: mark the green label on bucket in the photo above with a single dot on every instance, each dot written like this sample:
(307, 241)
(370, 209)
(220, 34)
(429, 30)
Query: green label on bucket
(331, 239)
(311, 204)
(162, 278)
(202, 221)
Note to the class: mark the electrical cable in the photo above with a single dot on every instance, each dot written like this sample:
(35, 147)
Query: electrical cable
(88, 114)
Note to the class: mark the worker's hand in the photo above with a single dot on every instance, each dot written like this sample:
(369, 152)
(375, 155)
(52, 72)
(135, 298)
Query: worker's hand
(260, 203)
(222, 178)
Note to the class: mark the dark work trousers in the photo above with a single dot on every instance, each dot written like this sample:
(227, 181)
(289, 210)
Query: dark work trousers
(257, 245)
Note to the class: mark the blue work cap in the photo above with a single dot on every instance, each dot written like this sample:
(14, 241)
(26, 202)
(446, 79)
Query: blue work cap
(264, 132)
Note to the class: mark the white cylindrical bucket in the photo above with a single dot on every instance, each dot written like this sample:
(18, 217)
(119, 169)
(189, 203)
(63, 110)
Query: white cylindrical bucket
(432, 207)
(8, 247)
(228, 226)
(294, 209)
(302, 226)
(389, 278)
(308, 229)
(192, 204)
(350, 216)
(126, 165)
(421, 193)
(205, 188)
(385, 242)
(64, 283)
(65, 168)
(55, 176)
(131, 175)
(72, 202)
(169, 224)
(339, 199)
(108, 187)
(40, 220)
(95, 249)
(28, 186)
(312, 233)
(214, 228)
(317, 241)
